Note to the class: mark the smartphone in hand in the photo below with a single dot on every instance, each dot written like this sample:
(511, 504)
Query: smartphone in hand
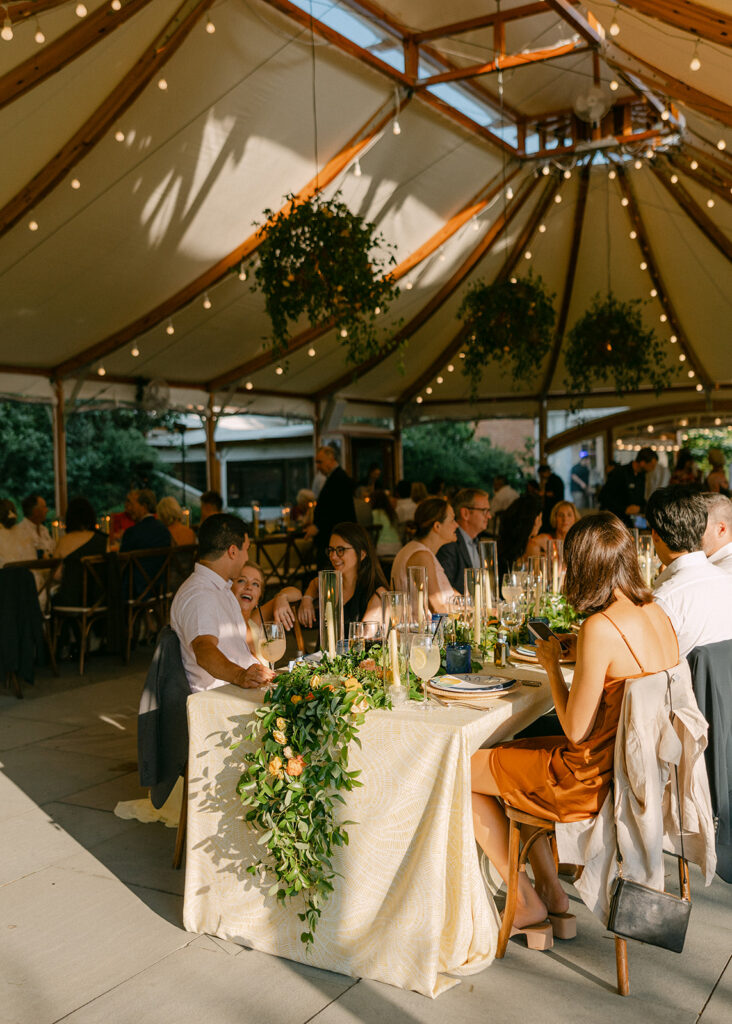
(540, 629)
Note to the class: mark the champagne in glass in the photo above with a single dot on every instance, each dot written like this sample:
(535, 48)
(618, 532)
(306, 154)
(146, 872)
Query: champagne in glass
(273, 642)
(511, 586)
(424, 660)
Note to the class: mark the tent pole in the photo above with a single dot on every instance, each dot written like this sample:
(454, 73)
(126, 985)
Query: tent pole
(59, 451)
(213, 467)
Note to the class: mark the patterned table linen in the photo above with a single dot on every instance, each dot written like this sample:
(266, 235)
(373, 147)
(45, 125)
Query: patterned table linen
(411, 906)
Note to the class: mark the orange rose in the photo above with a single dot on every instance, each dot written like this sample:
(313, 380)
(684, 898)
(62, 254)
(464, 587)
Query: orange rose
(295, 765)
(275, 766)
(368, 665)
(352, 683)
(296, 698)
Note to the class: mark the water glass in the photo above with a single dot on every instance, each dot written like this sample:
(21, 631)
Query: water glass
(511, 586)
(457, 658)
(512, 615)
(356, 638)
(424, 660)
(330, 603)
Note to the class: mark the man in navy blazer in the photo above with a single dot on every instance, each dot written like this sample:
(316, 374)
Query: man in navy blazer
(472, 512)
(147, 532)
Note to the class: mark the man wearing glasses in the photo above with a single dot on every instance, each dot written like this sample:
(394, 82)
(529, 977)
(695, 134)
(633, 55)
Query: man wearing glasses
(472, 512)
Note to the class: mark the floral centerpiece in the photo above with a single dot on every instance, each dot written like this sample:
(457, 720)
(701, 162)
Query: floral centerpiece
(297, 771)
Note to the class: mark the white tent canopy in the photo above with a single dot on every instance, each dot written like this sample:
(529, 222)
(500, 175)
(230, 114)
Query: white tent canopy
(140, 148)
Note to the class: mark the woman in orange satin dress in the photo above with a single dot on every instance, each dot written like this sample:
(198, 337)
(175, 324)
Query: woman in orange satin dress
(566, 778)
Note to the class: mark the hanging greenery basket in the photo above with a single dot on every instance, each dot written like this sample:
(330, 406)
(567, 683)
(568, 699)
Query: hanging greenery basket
(511, 324)
(610, 345)
(320, 261)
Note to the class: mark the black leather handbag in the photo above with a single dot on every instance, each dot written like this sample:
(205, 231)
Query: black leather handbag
(650, 915)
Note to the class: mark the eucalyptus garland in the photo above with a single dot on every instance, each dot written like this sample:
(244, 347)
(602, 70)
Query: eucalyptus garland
(298, 770)
(320, 261)
(509, 323)
(610, 344)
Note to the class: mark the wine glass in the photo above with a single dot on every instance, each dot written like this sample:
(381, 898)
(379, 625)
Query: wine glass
(512, 615)
(511, 586)
(356, 638)
(424, 660)
(274, 643)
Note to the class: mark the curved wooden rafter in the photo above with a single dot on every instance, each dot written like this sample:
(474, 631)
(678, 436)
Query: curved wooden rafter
(705, 175)
(523, 239)
(692, 209)
(667, 305)
(504, 63)
(98, 124)
(472, 209)
(441, 296)
(694, 18)
(579, 218)
(219, 270)
(56, 55)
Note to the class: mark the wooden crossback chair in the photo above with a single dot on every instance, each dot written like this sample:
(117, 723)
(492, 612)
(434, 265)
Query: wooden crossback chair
(144, 574)
(94, 605)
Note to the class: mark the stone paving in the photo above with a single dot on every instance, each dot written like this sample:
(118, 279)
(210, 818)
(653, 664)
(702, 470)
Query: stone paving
(90, 909)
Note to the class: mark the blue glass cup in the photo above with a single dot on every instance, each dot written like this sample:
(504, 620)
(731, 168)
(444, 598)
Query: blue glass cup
(457, 658)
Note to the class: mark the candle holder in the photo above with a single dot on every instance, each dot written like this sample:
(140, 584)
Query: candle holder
(645, 557)
(420, 615)
(477, 589)
(537, 583)
(488, 554)
(330, 604)
(555, 557)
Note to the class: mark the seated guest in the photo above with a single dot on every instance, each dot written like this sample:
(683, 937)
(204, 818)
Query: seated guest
(405, 506)
(562, 518)
(31, 528)
(624, 491)
(146, 532)
(350, 552)
(566, 778)
(435, 525)
(717, 539)
(519, 524)
(418, 493)
(302, 510)
(211, 504)
(13, 546)
(695, 594)
(472, 512)
(82, 538)
(207, 616)
(384, 515)
(170, 514)
(717, 482)
(248, 589)
(686, 472)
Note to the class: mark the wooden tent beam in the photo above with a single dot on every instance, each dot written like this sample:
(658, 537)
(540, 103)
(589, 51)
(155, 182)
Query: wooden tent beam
(456, 28)
(705, 176)
(472, 209)
(692, 209)
(504, 63)
(98, 124)
(62, 51)
(693, 18)
(616, 140)
(664, 298)
(579, 219)
(441, 296)
(632, 417)
(171, 305)
(517, 250)
(581, 25)
(30, 8)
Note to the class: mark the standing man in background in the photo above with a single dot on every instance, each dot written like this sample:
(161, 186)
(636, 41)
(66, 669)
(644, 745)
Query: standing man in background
(335, 502)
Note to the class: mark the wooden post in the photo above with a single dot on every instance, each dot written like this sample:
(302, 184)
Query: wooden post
(213, 468)
(59, 451)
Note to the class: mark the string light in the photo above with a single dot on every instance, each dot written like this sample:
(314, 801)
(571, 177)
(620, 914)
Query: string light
(119, 136)
(633, 234)
(665, 114)
(691, 374)
(396, 127)
(527, 254)
(450, 368)
(717, 422)
(638, 164)
(33, 225)
(134, 352)
(509, 193)
(344, 332)
(419, 399)
(279, 371)
(567, 175)
(624, 201)
(682, 358)
(476, 226)
(694, 164)
(514, 280)
(440, 380)
(674, 179)
(428, 391)
(75, 183)
(377, 310)
(169, 328)
(116, 5)
(39, 36)
(206, 302)
(545, 170)
(663, 318)
(80, 11)
(242, 273)
(101, 371)
(557, 198)
(249, 385)
(654, 293)
(162, 84)
(409, 285)
(210, 27)
(710, 202)
(612, 175)
(542, 229)
(462, 355)
(649, 154)
(614, 27)
(7, 30)
(357, 172)
(614, 85)
(695, 62)
(311, 352)
(673, 339)
(644, 265)
(721, 145)
(700, 387)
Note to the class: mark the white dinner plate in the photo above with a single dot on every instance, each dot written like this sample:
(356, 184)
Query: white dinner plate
(470, 683)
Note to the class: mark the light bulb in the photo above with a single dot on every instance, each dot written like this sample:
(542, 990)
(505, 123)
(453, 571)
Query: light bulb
(710, 202)
(279, 371)
(691, 374)
(80, 11)
(116, 5)
(614, 27)
(344, 332)
(695, 63)
(440, 380)
(210, 27)
(311, 352)
(653, 293)
(633, 234)
(377, 310)
(557, 199)
(39, 36)
(462, 355)
(614, 85)
(357, 172)
(545, 170)
(721, 144)
(206, 302)
(476, 226)
(682, 358)
(542, 229)
(7, 30)
(119, 136)
(428, 391)
(396, 128)
(649, 154)
(674, 178)
(638, 164)
(665, 114)
(419, 399)
(135, 352)
(509, 193)
(624, 201)
(450, 368)
(101, 371)
(527, 254)
(663, 318)
(33, 225)
(694, 164)
(644, 265)
(242, 273)
(717, 422)
(673, 339)
(700, 387)
(75, 183)
(514, 280)
(612, 175)
(409, 285)
(162, 84)
(249, 385)
(170, 329)
(567, 174)
(442, 257)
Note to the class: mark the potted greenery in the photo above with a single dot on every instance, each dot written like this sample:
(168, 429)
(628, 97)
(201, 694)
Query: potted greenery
(320, 261)
(510, 322)
(610, 344)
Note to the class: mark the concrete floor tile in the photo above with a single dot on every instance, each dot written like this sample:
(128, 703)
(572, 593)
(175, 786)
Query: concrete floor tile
(84, 704)
(141, 855)
(87, 825)
(69, 936)
(31, 842)
(53, 774)
(106, 795)
(719, 1008)
(19, 732)
(248, 989)
(114, 738)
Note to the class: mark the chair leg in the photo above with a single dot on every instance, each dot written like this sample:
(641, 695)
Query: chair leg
(621, 964)
(684, 882)
(180, 836)
(509, 911)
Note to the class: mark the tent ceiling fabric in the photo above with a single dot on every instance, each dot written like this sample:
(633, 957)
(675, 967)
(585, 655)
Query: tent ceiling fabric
(134, 222)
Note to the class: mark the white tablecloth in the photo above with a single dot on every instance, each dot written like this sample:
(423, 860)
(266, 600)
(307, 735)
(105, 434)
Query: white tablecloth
(411, 906)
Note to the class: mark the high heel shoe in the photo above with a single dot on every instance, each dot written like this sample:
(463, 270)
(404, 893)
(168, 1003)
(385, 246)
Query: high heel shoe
(538, 936)
(564, 926)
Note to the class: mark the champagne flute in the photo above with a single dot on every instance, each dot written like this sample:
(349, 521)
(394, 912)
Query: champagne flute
(273, 643)
(424, 660)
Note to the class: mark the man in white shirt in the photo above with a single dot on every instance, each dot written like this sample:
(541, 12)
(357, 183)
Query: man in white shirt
(206, 615)
(696, 595)
(31, 530)
(503, 497)
(717, 539)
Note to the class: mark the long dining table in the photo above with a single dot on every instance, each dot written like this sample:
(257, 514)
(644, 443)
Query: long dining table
(410, 907)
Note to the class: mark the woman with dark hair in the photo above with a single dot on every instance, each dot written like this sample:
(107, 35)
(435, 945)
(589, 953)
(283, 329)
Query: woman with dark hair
(435, 525)
(686, 471)
(351, 552)
(13, 548)
(519, 524)
(566, 778)
(81, 538)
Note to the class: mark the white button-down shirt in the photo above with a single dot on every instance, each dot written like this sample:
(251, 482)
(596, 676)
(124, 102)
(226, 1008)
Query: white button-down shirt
(37, 538)
(723, 558)
(697, 597)
(205, 606)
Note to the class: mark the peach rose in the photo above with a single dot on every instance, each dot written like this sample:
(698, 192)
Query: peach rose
(288, 752)
(296, 698)
(281, 723)
(279, 736)
(275, 766)
(360, 706)
(295, 765)
(352, 683)
(315, 682)
(368, 665)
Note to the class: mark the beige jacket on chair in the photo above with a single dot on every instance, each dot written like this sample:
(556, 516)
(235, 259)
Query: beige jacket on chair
(641, 811)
